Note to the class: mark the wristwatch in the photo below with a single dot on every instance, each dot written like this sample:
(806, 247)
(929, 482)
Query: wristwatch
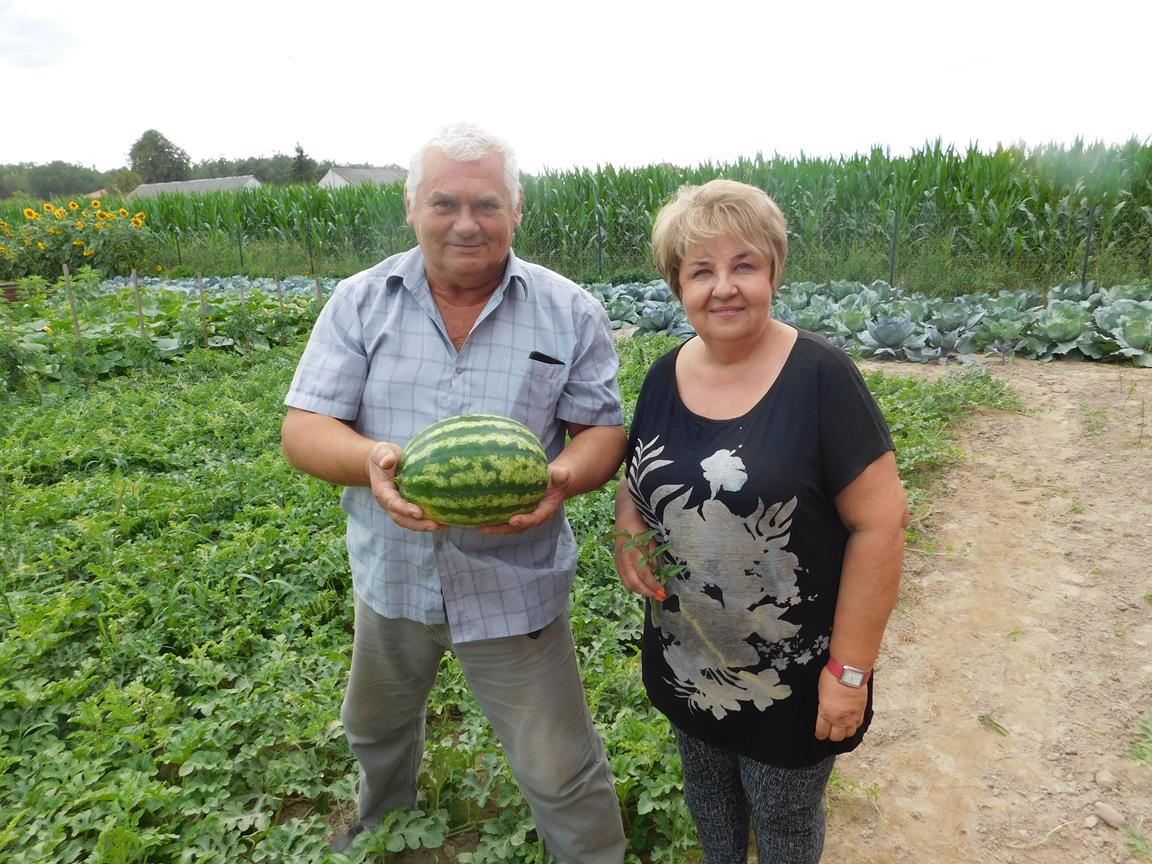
(849, 676)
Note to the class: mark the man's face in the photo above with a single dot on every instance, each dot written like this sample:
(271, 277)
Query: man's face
(464, 218)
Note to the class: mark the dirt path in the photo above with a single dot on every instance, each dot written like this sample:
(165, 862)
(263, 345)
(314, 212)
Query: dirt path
(1019, 658)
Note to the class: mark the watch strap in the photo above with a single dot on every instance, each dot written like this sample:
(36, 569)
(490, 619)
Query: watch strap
(837, 669)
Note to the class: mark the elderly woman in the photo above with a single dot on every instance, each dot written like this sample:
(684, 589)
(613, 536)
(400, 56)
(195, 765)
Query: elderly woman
(763, 518)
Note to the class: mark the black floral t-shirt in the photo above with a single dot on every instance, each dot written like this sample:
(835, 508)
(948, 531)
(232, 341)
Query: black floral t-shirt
(747, 508)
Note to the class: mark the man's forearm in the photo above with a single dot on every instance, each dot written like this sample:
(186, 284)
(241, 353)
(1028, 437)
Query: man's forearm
(593, 455)
(325, 447)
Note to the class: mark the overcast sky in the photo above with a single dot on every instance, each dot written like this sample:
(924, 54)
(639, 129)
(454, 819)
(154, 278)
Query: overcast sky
(583, 83)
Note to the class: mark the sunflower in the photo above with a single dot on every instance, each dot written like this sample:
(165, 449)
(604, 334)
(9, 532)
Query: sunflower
(100, 214)
(159, 268)
(95, 204)
(136, 223)
(123, 212)
(77, 242)
(80, 224)
(40, 245)
(88, 252)
(99, 225)
(47, 207)
(29, 213)
(141, 216)
(59, 213)
(72, 205)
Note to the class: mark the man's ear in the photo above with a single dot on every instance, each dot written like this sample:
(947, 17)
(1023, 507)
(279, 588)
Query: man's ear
(519, 211)
(408, 209)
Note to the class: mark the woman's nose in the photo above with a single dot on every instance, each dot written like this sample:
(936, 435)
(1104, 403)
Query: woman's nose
(724, 286)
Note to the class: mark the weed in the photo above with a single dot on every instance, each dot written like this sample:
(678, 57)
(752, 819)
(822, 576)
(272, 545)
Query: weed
(1093, 419)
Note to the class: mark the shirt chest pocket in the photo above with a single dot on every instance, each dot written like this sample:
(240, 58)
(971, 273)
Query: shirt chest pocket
(539, 389)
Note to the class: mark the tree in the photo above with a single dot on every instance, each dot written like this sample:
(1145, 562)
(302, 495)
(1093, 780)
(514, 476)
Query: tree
(121, 181)
(62, 178)
(158, 160)
(303, 166)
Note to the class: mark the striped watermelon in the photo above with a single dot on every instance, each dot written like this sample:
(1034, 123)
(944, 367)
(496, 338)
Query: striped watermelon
(475, 469)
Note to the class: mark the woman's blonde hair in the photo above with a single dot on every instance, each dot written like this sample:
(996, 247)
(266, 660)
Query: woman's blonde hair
(719, 208)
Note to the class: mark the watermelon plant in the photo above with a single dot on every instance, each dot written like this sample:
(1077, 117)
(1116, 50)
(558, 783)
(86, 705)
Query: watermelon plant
(174, 633)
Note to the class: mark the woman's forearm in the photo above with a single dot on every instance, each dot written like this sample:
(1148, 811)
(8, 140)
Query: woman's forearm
(868, 586)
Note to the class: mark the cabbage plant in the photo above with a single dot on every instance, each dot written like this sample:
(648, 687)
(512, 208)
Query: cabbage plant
(1062, 329)
(1134, 337)
(893, 337)
(942, 346)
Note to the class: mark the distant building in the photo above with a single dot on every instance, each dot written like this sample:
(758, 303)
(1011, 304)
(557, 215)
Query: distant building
(338, 176)
(185, 187)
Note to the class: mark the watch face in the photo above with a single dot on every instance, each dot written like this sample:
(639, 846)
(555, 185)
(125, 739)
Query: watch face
(852, 677)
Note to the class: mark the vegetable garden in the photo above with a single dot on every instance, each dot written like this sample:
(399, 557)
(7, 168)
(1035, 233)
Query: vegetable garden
(175, 605)
(175, 616)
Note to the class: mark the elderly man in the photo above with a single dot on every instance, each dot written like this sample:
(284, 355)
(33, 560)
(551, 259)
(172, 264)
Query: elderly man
(461, 325)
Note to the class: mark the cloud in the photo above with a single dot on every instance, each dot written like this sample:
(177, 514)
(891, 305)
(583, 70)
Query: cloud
(30, 41)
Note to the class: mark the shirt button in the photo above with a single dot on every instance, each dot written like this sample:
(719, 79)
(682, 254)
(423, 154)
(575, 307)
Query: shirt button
(459, 371)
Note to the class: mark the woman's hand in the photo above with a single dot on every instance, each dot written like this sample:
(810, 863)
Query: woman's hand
(841, 708)
(382, 462)
(559, 481)
(632, 556)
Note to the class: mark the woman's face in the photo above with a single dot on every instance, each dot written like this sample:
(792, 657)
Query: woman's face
(726, 289)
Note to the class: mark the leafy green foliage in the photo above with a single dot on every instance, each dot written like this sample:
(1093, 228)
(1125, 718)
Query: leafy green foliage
(117, 339)
(158, 160)
(962, 219)
(174, 633)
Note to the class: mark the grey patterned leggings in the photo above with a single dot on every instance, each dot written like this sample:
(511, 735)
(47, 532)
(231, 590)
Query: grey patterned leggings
(726, 793)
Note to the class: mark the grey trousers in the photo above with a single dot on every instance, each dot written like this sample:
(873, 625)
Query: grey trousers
(531, 692)
(726, 793)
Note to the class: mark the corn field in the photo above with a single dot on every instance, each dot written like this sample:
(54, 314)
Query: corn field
(1031, 210)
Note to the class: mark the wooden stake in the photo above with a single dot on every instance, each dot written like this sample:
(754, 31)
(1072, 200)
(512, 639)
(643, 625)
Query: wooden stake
(71, 301)
(203, 310)
(139, 303)
(279, 290)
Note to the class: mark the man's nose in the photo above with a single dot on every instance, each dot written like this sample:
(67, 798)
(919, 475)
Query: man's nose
(465, 222)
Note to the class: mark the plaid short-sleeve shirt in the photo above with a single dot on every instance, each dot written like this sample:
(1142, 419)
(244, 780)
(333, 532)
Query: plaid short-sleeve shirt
(380, 358)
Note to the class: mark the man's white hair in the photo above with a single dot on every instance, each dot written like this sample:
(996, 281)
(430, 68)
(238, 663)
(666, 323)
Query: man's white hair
(465, 142)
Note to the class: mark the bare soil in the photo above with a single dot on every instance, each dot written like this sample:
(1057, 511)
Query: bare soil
(1019, 658)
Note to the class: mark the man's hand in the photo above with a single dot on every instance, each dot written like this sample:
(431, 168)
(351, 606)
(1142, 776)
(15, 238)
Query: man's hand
(841, 708)
(559, 481)
(382, 462)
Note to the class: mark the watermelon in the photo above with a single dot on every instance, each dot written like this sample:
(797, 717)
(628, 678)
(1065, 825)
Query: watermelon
(475, 469)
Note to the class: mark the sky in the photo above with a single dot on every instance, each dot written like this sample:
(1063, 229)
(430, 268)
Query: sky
(569, 85)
